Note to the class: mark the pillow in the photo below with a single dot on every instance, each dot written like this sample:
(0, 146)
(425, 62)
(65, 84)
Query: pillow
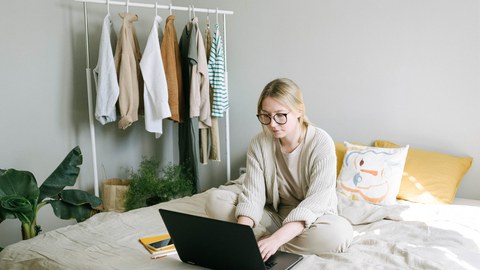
(340, 150)
(372, 174)
(430, 177)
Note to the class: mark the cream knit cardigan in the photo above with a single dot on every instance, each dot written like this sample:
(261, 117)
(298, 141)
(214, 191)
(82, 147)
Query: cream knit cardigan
(318, 163)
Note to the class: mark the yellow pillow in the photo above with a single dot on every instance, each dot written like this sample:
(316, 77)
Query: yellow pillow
(430, 177)
(340, 150)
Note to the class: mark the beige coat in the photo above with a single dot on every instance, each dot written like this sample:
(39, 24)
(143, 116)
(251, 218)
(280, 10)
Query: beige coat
(127, 58)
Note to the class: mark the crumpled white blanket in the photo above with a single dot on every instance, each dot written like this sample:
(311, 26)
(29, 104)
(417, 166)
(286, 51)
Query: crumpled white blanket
(402, 236)
(409, 236)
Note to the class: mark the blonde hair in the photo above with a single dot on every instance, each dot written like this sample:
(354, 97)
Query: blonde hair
(288, 94)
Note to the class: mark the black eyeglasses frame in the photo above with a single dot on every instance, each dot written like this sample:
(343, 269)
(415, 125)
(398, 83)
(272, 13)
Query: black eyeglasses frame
(274, 118)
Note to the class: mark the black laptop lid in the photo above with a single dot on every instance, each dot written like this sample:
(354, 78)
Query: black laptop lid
(211, 243)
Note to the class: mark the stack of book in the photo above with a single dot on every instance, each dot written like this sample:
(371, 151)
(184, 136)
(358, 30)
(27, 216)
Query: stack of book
(158, 245)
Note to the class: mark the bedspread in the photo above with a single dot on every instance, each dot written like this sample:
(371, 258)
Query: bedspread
(402, 236)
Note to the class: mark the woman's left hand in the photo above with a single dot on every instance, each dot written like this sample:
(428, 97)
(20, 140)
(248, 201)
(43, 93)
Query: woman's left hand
(268, 246)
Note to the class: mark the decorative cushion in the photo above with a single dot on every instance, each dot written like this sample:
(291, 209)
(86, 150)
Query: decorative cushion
(430, 177)
(340, 150)
(372, 174)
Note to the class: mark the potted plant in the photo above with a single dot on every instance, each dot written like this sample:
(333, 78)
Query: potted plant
(21, 198)
(150, 185)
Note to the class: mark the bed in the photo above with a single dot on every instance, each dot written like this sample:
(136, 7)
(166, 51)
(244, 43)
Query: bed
(405, 235)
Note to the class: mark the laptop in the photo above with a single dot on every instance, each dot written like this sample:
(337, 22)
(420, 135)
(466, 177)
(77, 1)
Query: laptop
(217, 244)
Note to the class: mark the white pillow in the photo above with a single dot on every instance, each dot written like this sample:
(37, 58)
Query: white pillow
(372, 174)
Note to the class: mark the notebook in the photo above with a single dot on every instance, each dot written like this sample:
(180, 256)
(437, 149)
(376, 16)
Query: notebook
(217, 244)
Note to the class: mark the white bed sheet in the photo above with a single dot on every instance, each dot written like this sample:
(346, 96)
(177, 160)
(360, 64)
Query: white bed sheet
(404, 236)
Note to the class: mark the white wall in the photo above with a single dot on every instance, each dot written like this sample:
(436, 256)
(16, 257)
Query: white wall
(406, 71)
(401, 70)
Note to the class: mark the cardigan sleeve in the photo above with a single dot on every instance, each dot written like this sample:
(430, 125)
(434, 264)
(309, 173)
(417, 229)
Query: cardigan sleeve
(251, 200)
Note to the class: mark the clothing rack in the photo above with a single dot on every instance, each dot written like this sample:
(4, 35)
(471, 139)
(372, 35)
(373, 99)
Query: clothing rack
(88, 70)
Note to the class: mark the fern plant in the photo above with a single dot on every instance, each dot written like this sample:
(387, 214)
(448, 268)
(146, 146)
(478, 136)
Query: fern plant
(150, 185)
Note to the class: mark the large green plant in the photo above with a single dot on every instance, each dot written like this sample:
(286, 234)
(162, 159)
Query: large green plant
(150, 185)
(21, 198)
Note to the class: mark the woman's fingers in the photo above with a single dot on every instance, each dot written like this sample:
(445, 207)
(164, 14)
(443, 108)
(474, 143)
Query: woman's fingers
(267, 248)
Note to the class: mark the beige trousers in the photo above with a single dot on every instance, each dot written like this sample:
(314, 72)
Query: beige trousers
(329, 233)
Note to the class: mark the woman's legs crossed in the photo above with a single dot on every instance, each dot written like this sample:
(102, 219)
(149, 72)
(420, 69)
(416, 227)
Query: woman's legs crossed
(221, 205)
(329, 233)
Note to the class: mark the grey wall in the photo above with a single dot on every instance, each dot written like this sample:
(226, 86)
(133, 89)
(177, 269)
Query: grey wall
(406, 71)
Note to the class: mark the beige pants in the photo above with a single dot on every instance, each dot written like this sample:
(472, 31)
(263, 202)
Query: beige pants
(329, 233)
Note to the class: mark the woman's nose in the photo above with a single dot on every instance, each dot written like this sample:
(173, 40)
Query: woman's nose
(272, 123)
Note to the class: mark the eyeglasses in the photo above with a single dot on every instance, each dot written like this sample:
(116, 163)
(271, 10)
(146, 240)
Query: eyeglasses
(279, 118)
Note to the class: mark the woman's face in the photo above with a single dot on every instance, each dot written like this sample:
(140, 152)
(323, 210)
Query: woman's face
(272, 107)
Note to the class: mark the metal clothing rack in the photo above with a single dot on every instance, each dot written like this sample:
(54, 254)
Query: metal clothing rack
(88, 71)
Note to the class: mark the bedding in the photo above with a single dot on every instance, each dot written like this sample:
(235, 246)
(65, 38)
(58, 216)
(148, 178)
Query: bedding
(405, 235)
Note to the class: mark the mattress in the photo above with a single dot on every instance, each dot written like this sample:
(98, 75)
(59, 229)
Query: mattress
(402, 236)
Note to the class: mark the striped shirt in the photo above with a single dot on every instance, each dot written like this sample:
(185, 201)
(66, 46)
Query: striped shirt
(216, 74)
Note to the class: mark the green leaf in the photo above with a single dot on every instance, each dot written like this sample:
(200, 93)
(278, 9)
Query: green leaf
(64, 175)
(17, 207)
(65, 210)
(80, 197)
(18, 195)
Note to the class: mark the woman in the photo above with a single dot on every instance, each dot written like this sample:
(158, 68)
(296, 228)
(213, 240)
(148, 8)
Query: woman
(289, 186)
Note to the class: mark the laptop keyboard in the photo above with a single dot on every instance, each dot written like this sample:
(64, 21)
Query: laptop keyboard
(269, 264)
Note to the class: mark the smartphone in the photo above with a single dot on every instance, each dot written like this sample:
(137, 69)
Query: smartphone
(161, 243)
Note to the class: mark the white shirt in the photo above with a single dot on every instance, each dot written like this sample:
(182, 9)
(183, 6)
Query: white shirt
(105, 76)
(155, 94)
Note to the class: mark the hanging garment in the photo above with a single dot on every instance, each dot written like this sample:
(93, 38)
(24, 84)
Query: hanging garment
(186, 134)
(173, 69)
(127, 58)
(105, 76)
(205, 132)
(200, 89)
(216, 72)
(213, 133)
(199, 85)
(155, 94)
(209, 137)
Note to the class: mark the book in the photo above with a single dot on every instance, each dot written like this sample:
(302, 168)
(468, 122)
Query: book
(158, 245)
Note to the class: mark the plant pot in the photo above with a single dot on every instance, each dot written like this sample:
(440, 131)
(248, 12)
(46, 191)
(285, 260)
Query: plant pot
(113, 194)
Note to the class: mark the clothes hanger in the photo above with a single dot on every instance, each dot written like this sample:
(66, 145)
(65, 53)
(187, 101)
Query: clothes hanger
(193, 10)
(126, 3)
(216, 16)
(156, 9)
(108, 7)
(208, 19)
